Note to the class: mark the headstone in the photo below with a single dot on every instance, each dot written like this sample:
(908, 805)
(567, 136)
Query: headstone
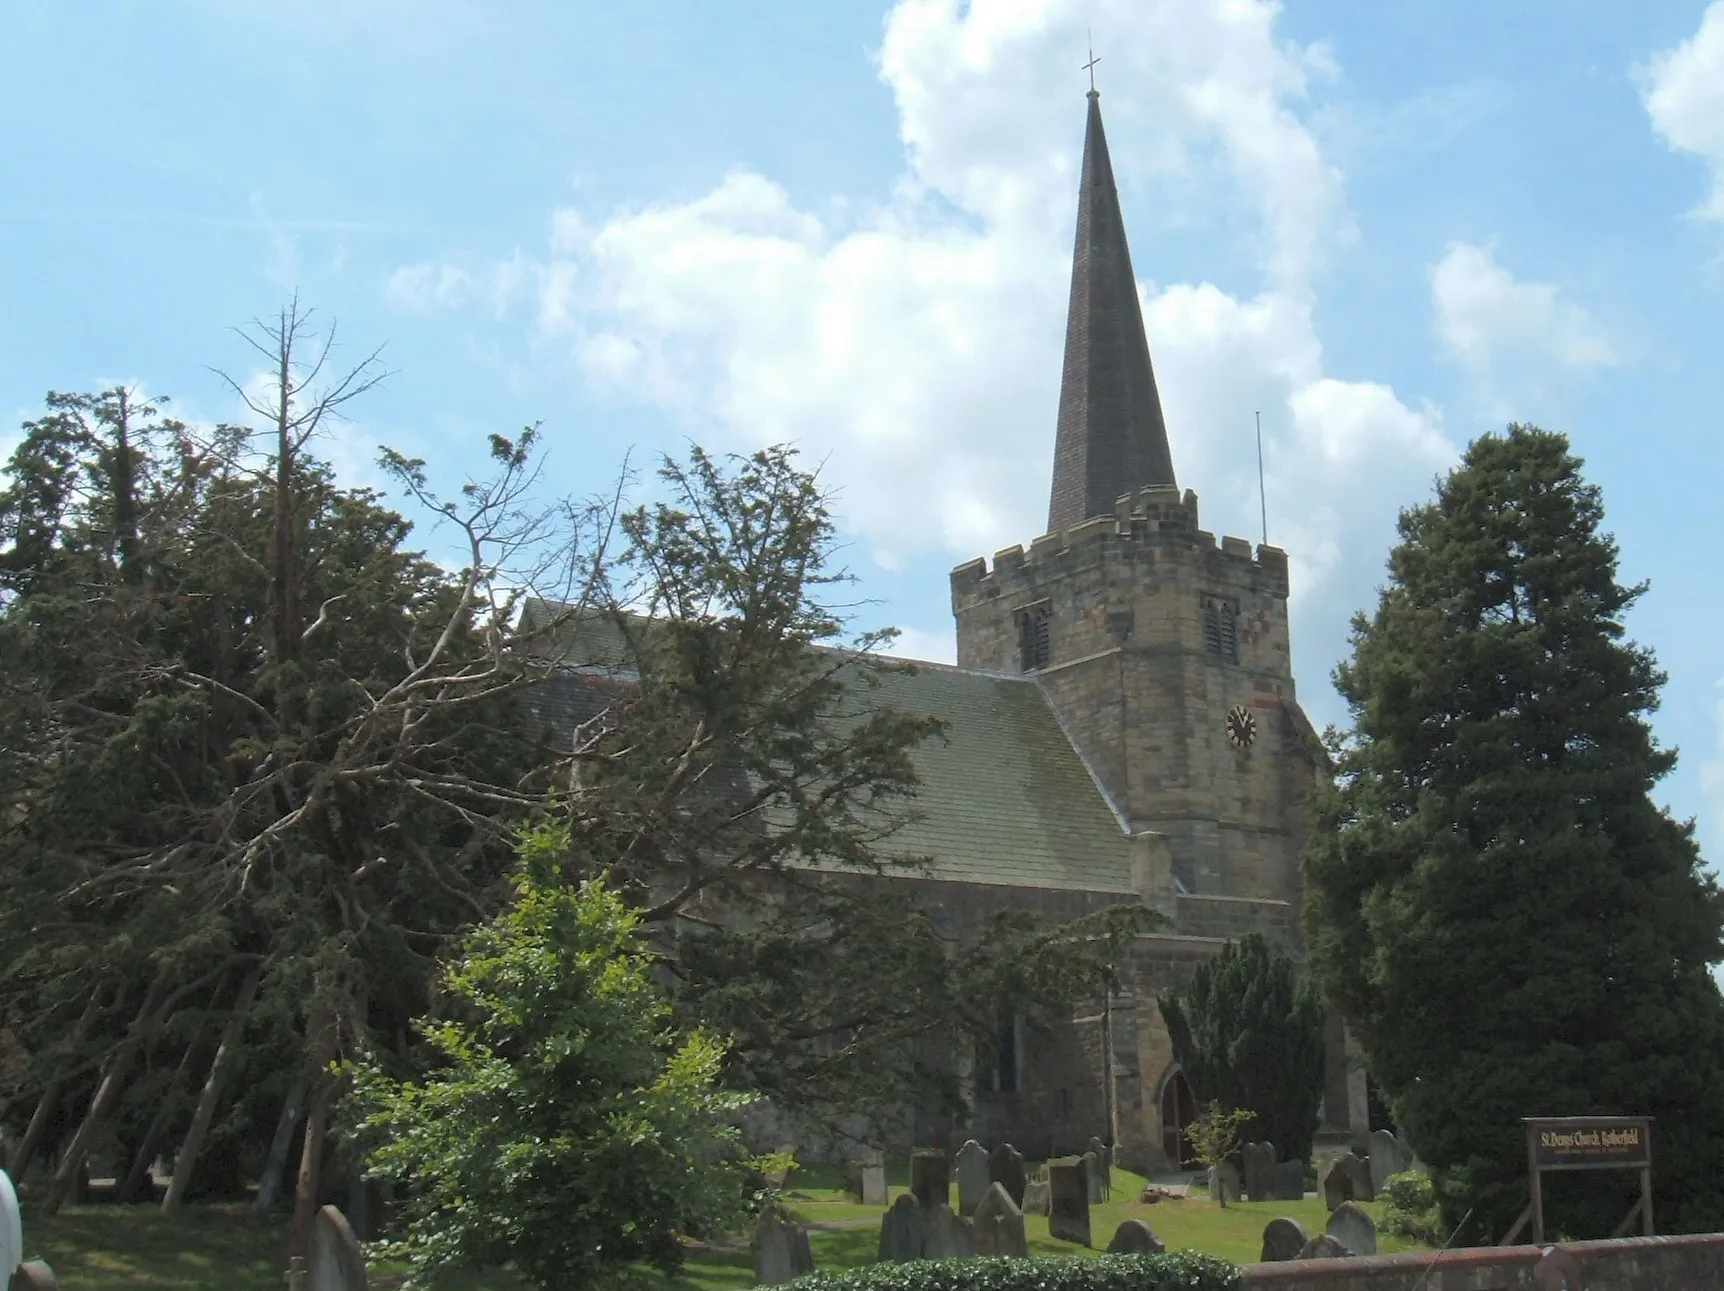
(1068, 1200)
(873, 1183)
(34, 1275)
(337, 1264)
(11, 1228)
(1095, 1177)
(950, 1235)
(1323, 1247)
(999, 1224)
(1223, 1177)
(1283, 1239)
(1038, 1197)
(930, 1177)
(1353, 1228)
(971, 1167)
(1006, 1167)
(1259, 1161)
(904, 1230)
(1359, 1172)
(1388, 1158)
(1289, 1181)
(781, 1250)
(1335, 1182)
(1134, 1237)
(1104, 1156)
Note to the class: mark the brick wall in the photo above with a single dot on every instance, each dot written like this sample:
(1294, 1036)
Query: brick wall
(1690, 1262)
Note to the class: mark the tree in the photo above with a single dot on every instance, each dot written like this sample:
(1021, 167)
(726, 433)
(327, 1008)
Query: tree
(568, 1127)
(743, 786)
(1494, 900)
(1215, 1137)
(1248, 1034)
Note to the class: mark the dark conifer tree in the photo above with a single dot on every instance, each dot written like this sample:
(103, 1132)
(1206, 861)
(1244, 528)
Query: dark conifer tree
(1249, 1034)
(1493, 898)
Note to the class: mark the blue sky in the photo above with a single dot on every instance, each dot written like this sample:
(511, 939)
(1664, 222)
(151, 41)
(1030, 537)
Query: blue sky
(1388, 227)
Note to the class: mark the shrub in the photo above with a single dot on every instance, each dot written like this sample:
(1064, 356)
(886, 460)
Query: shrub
(1182, 1272)
(1412, 1208)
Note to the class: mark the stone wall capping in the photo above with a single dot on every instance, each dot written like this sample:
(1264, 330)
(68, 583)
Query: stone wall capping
(1236, 546)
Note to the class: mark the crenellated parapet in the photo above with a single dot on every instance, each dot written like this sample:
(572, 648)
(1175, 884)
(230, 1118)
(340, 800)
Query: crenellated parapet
(1157, 524)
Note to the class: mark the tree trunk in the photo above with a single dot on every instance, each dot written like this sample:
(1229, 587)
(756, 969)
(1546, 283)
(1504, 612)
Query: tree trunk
(230, 1043)
(107, 1092)
(49, 1103)
(311, 1167)
(275, 1165)
(135, 1177)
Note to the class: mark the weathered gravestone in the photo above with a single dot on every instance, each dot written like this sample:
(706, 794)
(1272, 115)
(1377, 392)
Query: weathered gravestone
(873, 1182)
(1323, 1247)
(1134, 1237)
(971, 1167)
(950, 1235)
(1289, 1181)
(1104, 1167)
(1353, 1228)
(337, 1264)
(1388, 1158)
(781, 1250)
(999, 1224)
(1283, 1239)
(1259, 1161)
(1222, 1179)
(1095, 1178)
(1038, 1198)
(1335, 1181)
(1068, 1200)
(11, 1228)
(1359, 1171)
(1006, 1167)
(903, 1230)
(34, 1275)
(931, 1177)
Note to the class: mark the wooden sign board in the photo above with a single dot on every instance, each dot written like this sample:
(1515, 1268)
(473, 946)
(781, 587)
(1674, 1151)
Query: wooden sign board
(1587, 1143)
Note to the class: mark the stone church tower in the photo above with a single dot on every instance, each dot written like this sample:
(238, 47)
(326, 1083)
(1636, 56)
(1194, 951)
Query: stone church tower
(1165, 654)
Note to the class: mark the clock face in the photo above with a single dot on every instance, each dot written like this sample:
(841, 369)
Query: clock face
(1241, 726)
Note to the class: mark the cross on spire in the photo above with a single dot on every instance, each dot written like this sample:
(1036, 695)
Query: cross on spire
(1093, 60)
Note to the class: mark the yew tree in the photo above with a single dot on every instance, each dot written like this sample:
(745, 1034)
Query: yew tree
(1494, 899)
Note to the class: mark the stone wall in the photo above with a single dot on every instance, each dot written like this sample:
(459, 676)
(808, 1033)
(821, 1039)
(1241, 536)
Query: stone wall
(1685, 1263)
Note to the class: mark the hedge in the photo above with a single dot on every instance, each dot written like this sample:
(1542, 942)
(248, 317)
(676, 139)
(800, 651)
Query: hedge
(1184, 1271)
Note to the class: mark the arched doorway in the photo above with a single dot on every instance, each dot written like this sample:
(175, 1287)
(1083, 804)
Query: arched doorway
(1178, 1110)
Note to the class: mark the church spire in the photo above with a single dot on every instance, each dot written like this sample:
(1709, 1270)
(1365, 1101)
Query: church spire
(1112, 439)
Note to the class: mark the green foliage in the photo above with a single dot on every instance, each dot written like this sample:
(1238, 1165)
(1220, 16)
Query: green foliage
(1411, 1208)
(1248, 1033)
(1215, 1134)
(1493, 899)
(1178, 1272)
(567, 1128)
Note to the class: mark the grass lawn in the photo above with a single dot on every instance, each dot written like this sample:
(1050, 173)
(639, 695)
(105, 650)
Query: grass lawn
(210, 1248)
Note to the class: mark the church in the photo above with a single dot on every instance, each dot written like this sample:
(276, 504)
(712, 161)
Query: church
(1121, 727)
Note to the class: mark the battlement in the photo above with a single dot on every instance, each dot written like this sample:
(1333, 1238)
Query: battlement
(1153, 518)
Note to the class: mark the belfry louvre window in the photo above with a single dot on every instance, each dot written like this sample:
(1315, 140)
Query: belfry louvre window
(1221, 628)
(1034, 646)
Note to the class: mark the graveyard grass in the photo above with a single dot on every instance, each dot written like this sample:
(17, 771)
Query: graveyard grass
(119, 1248)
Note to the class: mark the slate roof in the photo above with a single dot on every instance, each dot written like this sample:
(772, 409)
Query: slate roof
(1005, 798)
(1112, 438)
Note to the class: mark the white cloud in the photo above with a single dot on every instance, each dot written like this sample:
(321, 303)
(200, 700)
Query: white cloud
(1683, 90)
(1485, 315)
(919, 643)
(914, 346)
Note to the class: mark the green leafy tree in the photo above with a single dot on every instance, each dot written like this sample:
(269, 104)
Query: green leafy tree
(1248, 1033)
(1494, 899)
(567, 1127)
(1216, 1134)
